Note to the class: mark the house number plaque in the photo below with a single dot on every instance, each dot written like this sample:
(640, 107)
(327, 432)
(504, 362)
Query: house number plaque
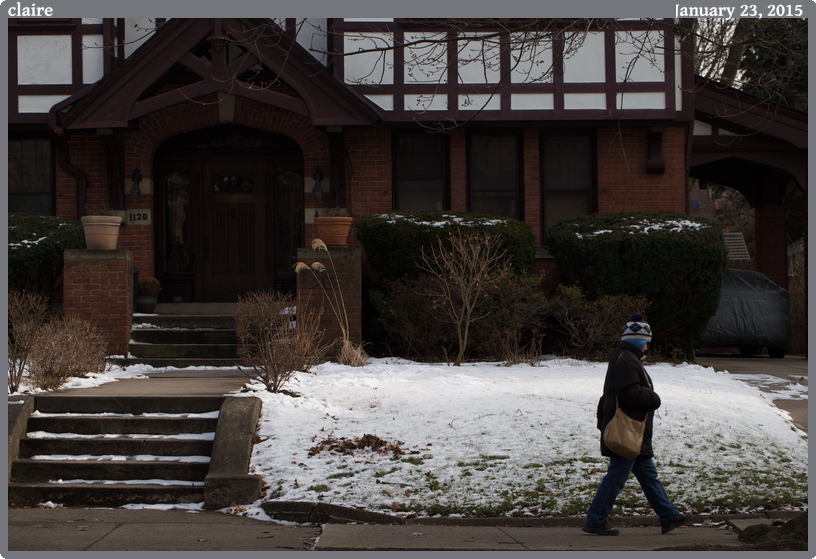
(138, 217)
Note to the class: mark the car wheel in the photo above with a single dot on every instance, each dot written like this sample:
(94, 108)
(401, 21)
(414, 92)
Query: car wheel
(776, 353)
(750, 350)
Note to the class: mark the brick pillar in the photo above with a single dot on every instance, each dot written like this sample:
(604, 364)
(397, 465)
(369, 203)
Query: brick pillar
(98, 286)
(349, 274)
(771, 248)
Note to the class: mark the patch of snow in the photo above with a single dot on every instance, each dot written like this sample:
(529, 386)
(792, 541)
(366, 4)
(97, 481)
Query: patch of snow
(131, 481)
(186, 436)
(120, 458)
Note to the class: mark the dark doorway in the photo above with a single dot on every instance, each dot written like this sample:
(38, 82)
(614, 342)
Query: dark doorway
(228, 213)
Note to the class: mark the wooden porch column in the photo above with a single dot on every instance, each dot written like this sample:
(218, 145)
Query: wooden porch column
(771, 248)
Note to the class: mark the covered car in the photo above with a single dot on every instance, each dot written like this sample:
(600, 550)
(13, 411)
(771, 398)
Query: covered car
(753, 313)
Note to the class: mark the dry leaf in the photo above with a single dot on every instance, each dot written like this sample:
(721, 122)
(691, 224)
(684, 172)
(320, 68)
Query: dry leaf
(706, 522)
(395, 506)
(417, 534)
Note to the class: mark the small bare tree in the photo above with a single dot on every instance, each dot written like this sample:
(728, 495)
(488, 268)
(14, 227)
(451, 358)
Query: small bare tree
(276, 339)
(460, 276)
(27, 312)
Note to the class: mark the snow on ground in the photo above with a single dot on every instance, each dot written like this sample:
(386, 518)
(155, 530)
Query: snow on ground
(521, 439)
(514, 440)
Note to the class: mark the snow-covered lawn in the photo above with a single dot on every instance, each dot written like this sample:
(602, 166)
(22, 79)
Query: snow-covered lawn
(489, 439)
(485, 438)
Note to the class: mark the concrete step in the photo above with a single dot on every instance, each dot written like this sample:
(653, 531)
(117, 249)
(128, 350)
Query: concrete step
(184, 351)
(62, 403)
(122, 425)
(178, 363)
(117, 447)
(107, 495)
(188, 321)
(24, 470)
(173, 336)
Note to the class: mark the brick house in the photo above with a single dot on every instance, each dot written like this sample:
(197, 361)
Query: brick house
(218, 140)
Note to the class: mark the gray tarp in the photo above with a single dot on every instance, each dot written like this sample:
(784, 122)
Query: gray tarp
(753, 311)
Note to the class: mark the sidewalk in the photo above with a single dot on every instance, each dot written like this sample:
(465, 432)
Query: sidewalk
(78, 529)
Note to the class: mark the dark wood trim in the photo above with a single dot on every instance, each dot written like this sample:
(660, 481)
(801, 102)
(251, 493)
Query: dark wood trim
(399, 77)
(57, 89)
(611, 82)
(669, 67)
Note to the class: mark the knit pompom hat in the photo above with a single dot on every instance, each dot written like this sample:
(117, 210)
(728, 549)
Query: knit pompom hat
(636, 329)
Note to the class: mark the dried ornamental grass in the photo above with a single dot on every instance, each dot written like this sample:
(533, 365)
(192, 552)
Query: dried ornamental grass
(350, 353)
(65, 348)
(27, 312)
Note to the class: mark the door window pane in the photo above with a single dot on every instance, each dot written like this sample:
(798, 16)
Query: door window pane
(495, 176)
(421, 171)
(233, 184)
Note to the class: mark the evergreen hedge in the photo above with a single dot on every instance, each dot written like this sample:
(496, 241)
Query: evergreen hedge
(674, 260)
(36, 245)
(393, 241)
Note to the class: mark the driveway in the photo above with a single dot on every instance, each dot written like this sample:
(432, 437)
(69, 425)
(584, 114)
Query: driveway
(786, 379)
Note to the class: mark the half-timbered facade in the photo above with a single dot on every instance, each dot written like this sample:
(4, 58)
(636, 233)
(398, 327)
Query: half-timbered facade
(218, 140)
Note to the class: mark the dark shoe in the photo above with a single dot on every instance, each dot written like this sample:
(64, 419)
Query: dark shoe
(601, 529)
(678, 520)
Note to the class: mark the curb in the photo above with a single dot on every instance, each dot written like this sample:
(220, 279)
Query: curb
(325, 513)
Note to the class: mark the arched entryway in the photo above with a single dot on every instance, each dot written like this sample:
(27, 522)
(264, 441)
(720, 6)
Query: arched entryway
(228, 213)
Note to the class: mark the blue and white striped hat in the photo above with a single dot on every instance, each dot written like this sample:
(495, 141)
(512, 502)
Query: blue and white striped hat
(636, 329)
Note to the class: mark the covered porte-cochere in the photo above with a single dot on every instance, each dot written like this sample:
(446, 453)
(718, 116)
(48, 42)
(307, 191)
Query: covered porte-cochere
(759, 150)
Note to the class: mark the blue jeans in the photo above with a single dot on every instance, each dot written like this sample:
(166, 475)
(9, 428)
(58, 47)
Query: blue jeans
(646, 474)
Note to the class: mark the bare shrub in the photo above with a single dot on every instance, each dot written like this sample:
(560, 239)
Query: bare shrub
(65, 348)
(276, 339)
(27, 312)
(350, 352)
(517, 309)
(591, 329)
(461, 276)
(798, 295)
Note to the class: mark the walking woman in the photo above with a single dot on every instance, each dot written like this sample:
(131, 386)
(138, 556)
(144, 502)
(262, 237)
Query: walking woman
(627, 385)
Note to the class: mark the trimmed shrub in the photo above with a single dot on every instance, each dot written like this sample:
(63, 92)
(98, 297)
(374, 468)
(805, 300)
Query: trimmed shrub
(36, 245)
(591, 329)
(513, 325)
(516, 312)
(393, 241)
(674, 260)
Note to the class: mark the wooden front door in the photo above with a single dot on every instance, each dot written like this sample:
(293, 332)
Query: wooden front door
(240, 226)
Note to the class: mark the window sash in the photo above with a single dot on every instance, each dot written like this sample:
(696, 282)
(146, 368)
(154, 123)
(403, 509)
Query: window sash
(421, 171)
(494, 173)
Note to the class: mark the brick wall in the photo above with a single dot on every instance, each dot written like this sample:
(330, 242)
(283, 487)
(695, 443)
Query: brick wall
(346, 263)
(623, 184)
(771, 248)
(98, 286)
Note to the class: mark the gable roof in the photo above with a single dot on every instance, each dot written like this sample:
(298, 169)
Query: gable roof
(726, 105)
(124, 95)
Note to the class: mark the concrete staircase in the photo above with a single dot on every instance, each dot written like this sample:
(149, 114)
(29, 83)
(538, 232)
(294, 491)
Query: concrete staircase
(184, 335)
(128, 455)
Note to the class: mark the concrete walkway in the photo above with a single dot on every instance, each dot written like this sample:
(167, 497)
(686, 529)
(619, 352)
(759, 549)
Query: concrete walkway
(77, 529)
(791, 369)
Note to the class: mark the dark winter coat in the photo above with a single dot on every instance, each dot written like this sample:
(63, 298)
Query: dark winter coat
(627, 379)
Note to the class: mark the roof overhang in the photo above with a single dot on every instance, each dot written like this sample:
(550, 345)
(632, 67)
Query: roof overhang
(122, 96)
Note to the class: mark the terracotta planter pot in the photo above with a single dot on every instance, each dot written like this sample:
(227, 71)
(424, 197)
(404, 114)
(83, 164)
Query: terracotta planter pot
(101, 231)
(334, 230)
